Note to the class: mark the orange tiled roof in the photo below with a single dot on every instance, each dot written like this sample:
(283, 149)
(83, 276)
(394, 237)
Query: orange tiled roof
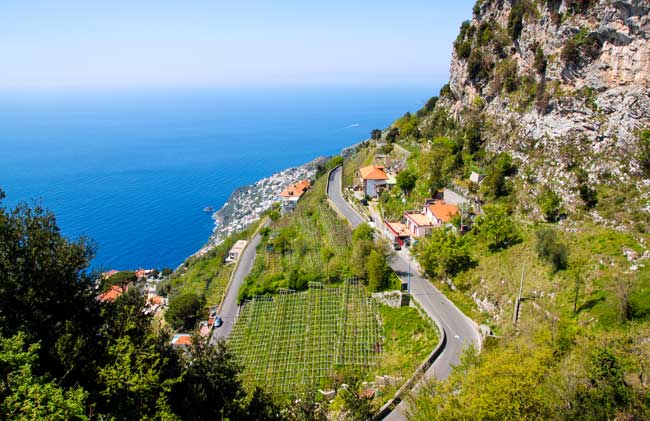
(418, 219)
(296, 190)
(183, 340)
(373, 172)
(443, 211)
(398, 228)
(156, 299)
(112, 294)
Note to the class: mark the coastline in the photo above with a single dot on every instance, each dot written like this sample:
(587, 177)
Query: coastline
(247, 203)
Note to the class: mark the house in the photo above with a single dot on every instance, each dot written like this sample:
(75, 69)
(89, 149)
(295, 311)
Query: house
(181, 340)
(236, 250)
(143, 273)
(373, 179)
(112, 294)
(204, 328)
(290, 196)
(475, 177)
(440, 212)
(418, 224)
(453, 198)
(397, 232)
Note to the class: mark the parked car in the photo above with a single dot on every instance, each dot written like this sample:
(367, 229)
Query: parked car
(371, 219)
(364, 202)
(396, 246)
(217, 321)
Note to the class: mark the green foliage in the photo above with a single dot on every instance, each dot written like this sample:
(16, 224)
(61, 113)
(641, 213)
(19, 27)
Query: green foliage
(375, 134)
(166, 272)
(356, 405)
(335, 161)
(581, 49)
(550, 203)
(643, 155)
(505, 76)
(497, 227)
(540, 60)
(406, 180)
(550, 249)
(496, 184)
(26, 396)
(587, 193)
(378, 271)
(363, 232)
(443, 253)
(479, 66)
(428, 107)
(121, 278)
(183, 310)
(516, 20)
(393, 134)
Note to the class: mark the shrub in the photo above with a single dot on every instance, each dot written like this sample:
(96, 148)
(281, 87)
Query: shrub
(378, 271)
(581, 49)
(478, 66)
(550, 204)
(363, 232)
(406, 180)
(497, 228)
(443, 253)
(550, 250)
(516, 20)
(183, 310)
(643, 154)
(495, 184)
(540, 60)
(375, 134)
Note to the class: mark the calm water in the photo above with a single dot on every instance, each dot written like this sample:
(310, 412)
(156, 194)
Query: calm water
(134, 171)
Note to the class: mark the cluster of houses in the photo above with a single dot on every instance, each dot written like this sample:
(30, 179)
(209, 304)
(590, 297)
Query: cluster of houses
(435, 212)
(143, 282)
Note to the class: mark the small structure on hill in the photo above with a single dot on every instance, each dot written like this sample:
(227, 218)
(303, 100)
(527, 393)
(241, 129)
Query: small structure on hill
(112, 294)
(398, 233)
(236, 250)
(434, 213)
(290, 196)
(181, 340)
(373, 179)
(475, 177)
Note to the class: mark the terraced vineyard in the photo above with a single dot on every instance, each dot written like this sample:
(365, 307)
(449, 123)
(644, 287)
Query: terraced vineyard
(298, 339)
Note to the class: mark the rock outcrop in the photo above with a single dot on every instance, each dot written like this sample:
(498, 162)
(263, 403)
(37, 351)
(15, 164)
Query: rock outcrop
(562, 80)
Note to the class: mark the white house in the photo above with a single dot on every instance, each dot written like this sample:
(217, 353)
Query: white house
(373, 179)
(418, 224)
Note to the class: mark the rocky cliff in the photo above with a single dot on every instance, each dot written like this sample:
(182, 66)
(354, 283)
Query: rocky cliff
(566, 81)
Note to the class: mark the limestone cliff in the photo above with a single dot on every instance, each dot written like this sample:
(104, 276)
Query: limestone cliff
(556, 81)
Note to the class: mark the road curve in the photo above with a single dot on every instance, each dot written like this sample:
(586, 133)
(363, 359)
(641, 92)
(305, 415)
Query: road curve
(461, 330)
(229, 307)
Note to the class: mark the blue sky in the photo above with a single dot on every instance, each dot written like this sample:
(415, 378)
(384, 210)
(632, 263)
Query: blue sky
(87, 44)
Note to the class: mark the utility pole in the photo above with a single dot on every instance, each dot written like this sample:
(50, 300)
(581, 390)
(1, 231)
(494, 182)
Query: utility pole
(409, 276)
(515, 316)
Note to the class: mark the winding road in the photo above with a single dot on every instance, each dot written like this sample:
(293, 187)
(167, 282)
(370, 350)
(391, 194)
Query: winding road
(461, 330)
(229, 307)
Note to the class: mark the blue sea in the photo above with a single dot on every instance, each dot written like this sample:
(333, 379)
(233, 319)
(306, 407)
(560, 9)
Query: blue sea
(134, 170)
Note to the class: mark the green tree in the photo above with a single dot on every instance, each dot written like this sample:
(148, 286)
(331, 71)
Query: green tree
(550, 203)
(495, 184)
(122, 278)
(443, 253)
(497, 227)
(375, 134)
(211, 387)
(356, 406)
(363, 232)
(183, 310)
(406, 180)
(358, 260)
(550, 249)
(643, 154)
(378, 271)
(25, 396)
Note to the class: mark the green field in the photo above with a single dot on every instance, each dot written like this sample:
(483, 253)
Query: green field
(300, 339)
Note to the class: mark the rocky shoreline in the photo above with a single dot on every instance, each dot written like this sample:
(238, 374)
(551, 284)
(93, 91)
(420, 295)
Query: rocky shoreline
(246, 204)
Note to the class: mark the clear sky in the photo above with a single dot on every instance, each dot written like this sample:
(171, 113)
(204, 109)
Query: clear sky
(90, 44)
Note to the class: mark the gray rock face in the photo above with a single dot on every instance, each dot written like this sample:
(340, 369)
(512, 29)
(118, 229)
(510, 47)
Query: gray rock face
(597, 107)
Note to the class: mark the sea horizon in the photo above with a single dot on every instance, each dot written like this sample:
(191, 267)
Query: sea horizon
(135, 170)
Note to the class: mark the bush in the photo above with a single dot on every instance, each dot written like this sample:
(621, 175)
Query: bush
(363, 232)
(540, 61)
(516, 20)
(378, 271)
(478, 66)
(550, 250)
(497, 227)
(183, 310)
(406, 180)
(550, 203)
(443, 253)
(643, 154)
(495, 184)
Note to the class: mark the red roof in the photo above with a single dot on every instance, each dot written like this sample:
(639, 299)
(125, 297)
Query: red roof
(398, 228)
(112, 294)
(296, 190)
(373, 172)
(442, 210)
(418, 219)
(183, 340)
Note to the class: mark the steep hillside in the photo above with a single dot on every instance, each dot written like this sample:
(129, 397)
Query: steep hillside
(560, 85)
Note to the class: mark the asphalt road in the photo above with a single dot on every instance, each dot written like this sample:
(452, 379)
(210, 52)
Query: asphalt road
(229, 308)
(461, 330)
